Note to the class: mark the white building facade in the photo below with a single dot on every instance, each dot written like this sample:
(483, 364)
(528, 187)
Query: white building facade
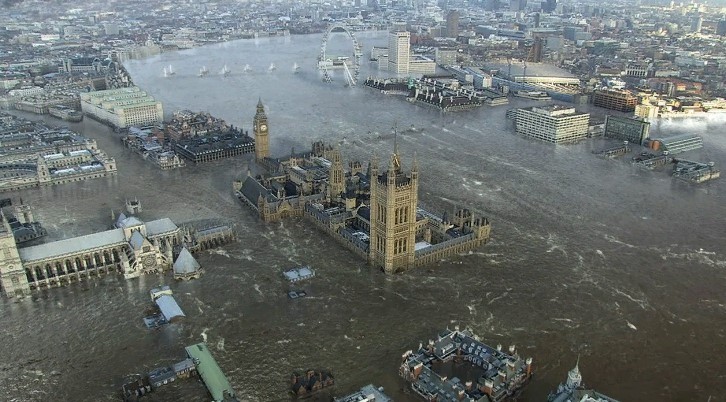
(399, 52)
(123, 107)
(555, 124)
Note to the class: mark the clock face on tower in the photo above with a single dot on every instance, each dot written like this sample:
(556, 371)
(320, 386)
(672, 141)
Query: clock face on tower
(263, 127)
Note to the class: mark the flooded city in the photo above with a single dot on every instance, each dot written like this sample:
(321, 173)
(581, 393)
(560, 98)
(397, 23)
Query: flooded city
(589, 257)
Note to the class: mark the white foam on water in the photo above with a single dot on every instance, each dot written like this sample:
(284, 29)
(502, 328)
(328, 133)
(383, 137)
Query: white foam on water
(553, 242)
(643, 303)
(503, 295)
(220, 251)
(612, 239)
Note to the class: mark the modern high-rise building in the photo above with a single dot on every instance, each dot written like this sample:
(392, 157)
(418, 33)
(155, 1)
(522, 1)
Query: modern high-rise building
(549, 6)
(696, 24)
(452, 24)
(721, 28)
(614, 99)
(635, 131)
(555, 123)
(399, 51)
(517, 5)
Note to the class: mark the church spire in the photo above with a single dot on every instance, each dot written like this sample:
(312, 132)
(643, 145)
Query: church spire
(574, 378)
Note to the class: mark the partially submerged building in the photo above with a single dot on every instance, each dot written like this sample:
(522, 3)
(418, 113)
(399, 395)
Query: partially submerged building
(629, 129)
(311, 381)
(676, 144)
(139, 385)
(186, 266)
(169, 308)
(374, 212)
(573, 389)
(217, 384)
(20, 220)
(122, 107)
(299, 274)
(553, 123)
(695, 172)
(482, 373)
(369, 393)
(132, 248)
(34, 155)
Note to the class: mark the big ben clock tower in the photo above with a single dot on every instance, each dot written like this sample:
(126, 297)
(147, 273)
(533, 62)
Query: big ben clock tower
(260, 128)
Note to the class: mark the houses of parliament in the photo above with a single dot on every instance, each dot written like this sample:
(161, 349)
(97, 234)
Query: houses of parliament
(373, 212)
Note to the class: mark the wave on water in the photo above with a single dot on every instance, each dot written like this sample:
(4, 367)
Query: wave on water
(554, 244)
(612, 239)
(643, 303)
(708, 258)
(220, 251)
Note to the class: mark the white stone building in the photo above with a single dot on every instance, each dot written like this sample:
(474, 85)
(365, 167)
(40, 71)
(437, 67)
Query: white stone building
(122, 107)
(399, 51)
(554, 123)
(133, 248)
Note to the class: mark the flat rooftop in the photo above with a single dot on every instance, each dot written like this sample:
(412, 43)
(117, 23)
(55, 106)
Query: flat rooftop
(556, 110)
(533, 69)
(216, 382)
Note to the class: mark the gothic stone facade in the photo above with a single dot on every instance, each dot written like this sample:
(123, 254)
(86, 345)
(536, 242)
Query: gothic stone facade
(133, 248)
(374, 213)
